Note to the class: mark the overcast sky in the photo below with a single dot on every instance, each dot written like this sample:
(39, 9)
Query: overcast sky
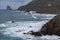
(13, 3)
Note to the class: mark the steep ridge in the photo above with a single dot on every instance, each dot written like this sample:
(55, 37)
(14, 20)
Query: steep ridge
(42, 6)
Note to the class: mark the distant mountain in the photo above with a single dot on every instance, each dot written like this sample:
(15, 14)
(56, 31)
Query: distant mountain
(43, 6)
(8, 7)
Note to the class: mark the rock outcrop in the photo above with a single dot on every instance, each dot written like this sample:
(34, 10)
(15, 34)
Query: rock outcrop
(8, 7)
(50, 28)
(42, 6)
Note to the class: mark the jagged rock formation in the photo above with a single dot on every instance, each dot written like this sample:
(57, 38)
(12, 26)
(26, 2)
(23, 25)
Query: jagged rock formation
(8, 7)
(42, 6)
(50, 28)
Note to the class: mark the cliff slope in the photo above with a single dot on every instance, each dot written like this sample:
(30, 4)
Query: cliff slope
(42, 6)
(52, 27)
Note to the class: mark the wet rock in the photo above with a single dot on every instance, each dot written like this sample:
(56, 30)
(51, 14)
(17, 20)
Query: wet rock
(36, 34)
(24, 33)
(13, 21)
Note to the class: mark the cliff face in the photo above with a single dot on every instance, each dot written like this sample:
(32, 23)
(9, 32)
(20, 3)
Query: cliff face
(42, 6)
(52, 27)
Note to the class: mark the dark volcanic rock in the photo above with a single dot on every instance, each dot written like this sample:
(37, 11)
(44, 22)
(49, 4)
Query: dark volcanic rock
(50, 28)
(42, 6)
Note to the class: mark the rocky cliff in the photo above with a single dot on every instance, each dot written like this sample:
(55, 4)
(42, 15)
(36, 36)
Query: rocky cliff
(43, 6)
(50, 28)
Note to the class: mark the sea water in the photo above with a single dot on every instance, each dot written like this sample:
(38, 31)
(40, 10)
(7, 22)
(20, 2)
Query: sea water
(22, 23)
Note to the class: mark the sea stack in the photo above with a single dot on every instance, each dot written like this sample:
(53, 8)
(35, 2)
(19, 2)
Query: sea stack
(51, 28)
(42, 6)
(8, 7)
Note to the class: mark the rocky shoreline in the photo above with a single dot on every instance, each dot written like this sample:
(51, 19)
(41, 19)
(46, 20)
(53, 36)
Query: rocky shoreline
(50, 28)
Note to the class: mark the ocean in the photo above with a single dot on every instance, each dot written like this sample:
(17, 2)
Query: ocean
(22, 21)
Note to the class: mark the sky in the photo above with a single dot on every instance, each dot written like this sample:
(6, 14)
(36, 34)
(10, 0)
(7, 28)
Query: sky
(13, 3)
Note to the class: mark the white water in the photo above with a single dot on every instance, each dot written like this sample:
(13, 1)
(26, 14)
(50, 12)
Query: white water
(18, 28)
(23, 27)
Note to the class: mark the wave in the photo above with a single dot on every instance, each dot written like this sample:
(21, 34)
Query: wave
(2, 25)
(23, 27)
